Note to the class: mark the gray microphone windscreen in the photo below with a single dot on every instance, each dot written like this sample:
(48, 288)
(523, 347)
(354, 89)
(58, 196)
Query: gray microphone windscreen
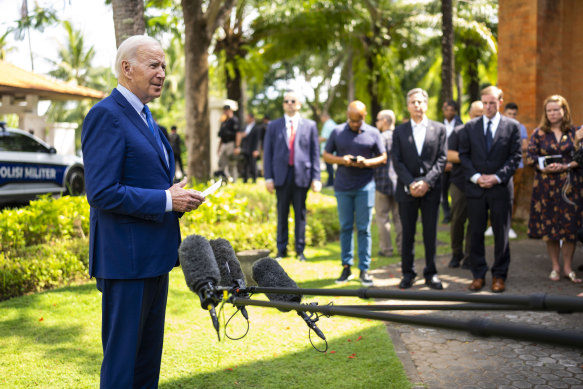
(229, 265)
(268, 273)
(198, 262)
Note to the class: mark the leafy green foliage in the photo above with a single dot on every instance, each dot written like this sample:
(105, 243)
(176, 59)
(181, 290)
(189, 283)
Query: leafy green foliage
(44, 245)
(41, 267)
(45, 220)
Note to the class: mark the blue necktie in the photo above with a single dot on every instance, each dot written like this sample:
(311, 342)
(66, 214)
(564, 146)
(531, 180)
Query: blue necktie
(153, 127)
(489, 136)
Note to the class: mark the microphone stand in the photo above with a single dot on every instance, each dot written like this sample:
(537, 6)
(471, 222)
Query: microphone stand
(476, 326)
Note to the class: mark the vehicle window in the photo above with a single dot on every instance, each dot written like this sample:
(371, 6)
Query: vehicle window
(18, 142)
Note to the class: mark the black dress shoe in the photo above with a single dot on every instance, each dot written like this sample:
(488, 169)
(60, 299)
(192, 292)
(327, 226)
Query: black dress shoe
(455, 261)
(405, 284)
(434, 282)
(301, 258)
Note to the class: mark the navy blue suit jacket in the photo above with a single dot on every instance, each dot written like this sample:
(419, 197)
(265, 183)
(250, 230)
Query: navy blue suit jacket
(410, 166)
(131, 235)
(502, 160)
(306, 153)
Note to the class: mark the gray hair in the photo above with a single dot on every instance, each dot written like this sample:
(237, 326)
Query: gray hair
(415, 91)
(389, 116)
(128, 48)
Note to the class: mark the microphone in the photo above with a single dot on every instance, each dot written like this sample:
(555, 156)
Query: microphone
(229, 267)
(201, 273)
(268, 273)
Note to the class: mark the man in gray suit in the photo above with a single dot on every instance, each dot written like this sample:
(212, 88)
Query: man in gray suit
(419, 158)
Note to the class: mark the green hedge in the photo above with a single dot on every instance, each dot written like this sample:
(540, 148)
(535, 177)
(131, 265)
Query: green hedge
(45, 244)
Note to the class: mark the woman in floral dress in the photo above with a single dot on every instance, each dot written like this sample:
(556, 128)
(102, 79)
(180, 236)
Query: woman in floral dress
(555, 207)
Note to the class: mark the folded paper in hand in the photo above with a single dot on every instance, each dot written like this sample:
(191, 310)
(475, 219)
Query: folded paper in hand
(213, 188)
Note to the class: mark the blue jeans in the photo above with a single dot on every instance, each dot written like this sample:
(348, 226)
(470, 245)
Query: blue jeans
(356, 205)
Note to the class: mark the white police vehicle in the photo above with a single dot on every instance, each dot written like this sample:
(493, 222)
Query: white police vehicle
(30, 167)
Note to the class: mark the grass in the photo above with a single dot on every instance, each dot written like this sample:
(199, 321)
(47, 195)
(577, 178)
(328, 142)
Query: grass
(53, 339)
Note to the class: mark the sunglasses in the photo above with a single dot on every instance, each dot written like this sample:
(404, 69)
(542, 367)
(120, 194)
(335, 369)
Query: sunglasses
(289, 101)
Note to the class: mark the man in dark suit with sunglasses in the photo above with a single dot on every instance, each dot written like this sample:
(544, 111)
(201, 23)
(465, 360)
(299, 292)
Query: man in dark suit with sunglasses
(291, 157)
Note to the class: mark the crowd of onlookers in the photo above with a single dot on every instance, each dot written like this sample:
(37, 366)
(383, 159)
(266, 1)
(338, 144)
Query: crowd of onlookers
(418, 167)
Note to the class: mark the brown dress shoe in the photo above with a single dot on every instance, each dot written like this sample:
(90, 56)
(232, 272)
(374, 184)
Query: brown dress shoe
(497, 285)
(476, 285)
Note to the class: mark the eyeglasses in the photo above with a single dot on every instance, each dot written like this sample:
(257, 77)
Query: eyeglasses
(289, 101)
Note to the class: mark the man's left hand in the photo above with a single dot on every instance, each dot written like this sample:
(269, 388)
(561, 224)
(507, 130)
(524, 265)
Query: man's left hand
(184, 200)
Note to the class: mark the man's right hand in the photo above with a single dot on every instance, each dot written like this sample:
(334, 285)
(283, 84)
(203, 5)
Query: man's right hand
(185, 200)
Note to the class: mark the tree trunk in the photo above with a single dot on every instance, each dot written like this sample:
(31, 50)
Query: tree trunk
(372, 86)
(199, 28)
(474, 86)
(128, 19)
(234, 91)
(197, 137)
(458, 87)
(446, 51)
(350, 75)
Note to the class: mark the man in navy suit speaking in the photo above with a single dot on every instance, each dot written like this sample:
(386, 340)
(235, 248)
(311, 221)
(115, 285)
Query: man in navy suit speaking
(291, 163)
(134, 232)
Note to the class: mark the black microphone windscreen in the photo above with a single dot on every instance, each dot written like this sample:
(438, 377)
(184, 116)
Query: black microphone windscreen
(268, 273)
(229, 265)
(198, 262)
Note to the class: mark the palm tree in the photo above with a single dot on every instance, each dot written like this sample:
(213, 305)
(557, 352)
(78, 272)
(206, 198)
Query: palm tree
(74, 58)
(447, 50)
(124, 11)
(73, 65)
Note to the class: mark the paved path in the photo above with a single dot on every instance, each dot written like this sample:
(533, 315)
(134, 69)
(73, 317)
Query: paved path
(435, 358)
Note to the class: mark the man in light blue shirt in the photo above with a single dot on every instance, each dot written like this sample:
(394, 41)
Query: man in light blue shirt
(327, 129)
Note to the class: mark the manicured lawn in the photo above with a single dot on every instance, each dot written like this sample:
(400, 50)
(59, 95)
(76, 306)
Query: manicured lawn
(52, 340)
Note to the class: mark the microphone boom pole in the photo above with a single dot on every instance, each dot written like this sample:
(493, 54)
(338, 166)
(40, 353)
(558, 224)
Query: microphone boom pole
(535, 301)
(476, 326)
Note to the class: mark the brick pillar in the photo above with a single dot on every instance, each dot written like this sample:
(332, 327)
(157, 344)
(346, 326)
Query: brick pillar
(539, 55)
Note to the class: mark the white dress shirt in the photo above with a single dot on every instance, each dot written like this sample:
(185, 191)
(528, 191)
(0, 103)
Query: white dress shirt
(493, 127)
(296, 121)
(419, 132)
(139, 107)
(449, 126)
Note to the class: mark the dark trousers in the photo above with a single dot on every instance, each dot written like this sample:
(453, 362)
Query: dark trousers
(291, 194)
(458, 227)
(133, 313)
(445, 195)
(249, 168)
(499, 209)
(178, 160)
(408, 211)
(330, 170)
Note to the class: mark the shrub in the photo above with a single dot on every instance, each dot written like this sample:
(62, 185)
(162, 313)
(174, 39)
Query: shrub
(40, 267)
(45, 244)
